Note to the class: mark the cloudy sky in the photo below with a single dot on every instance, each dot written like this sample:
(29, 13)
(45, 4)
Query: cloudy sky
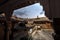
(31, 11)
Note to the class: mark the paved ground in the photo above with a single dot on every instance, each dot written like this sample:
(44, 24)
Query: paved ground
(42, 35)
(39, 35)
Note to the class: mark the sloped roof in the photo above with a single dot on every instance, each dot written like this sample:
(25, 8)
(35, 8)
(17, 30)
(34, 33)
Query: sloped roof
(40, 19)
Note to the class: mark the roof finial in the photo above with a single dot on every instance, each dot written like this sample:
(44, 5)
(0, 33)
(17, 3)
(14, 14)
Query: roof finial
(37, 16)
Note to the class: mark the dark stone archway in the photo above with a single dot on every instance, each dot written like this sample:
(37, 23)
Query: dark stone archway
(51, 7)
(16, 4)
(11, 5)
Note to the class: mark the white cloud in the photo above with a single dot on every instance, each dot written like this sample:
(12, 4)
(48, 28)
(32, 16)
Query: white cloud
(31, 11)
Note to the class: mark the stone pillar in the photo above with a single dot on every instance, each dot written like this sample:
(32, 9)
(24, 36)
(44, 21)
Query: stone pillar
(56, 27)
(8, 26)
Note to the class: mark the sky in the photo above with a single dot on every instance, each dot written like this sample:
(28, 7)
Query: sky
(31, 11)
